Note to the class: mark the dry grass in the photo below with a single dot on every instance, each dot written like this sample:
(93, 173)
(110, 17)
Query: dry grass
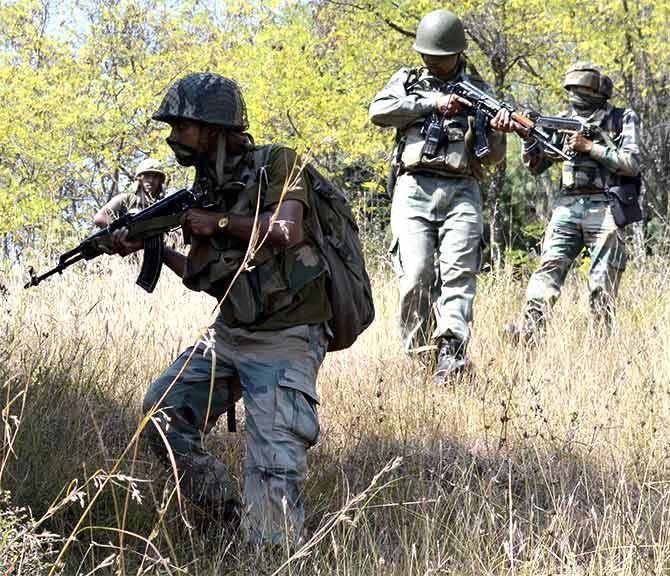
(553, 461)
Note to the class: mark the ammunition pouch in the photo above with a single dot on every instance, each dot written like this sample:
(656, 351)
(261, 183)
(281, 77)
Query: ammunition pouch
(624, 201)
(443, 151)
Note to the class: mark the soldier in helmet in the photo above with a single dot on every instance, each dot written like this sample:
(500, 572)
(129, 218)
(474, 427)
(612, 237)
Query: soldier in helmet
(150, 178)
(271, 334)
(437, 207)
(581, 214)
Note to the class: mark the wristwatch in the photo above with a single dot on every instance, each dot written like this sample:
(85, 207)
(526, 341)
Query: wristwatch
(222, 224)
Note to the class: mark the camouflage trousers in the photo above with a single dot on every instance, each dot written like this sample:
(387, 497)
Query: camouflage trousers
(436, 251)
(274, 372)
(579, 221)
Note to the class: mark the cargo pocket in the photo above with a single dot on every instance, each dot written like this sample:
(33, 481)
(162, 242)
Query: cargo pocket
(394, 253)
(296, 414)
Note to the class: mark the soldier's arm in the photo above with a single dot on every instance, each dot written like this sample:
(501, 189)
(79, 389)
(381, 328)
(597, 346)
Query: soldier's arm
(110, 211)
(624, 160)
(283, 229)
(393, 106)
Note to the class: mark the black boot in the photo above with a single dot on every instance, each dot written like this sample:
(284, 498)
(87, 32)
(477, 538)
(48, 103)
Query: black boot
(451, 360)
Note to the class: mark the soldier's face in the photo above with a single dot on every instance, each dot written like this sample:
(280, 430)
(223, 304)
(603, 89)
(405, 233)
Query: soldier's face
(441, 66)
(187, 133)
(151, 183)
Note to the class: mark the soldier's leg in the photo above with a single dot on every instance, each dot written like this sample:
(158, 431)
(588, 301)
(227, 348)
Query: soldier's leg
(460, 238)
(563, 241)
(278, 373)
(185, 406)
(606, 245)
(413, 252)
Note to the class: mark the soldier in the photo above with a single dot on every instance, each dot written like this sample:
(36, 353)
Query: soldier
(581, 214)
(437, 205)
(150, 178)
(270, 336)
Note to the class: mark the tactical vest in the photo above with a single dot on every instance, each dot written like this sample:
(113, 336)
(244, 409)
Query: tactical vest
(581, 173)
(272, 277)
(453, 157)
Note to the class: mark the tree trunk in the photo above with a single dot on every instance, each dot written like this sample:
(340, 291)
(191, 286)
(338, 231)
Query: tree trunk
(496, 224)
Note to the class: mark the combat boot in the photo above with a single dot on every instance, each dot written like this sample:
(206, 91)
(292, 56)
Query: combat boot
(451, 360)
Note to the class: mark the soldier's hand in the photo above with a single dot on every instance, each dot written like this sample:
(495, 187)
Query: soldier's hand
(122, 246)
(451, 104)
(198, 222)
(579, 143)
(502, 121)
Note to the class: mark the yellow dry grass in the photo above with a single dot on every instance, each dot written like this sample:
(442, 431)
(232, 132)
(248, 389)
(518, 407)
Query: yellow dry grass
(545, 461)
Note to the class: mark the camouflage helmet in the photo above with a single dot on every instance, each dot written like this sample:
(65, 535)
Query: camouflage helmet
(205, 97)
(149, 165)
(588, 75)
(440, 33)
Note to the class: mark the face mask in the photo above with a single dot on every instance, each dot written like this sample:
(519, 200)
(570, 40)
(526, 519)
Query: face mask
(185, 155)
(585, 102)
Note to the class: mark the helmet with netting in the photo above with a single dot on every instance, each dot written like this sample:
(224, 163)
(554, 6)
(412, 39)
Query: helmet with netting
(205, 97)
(440, 33)
(588, 75)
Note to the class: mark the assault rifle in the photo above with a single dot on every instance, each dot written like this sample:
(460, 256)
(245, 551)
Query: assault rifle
(148, 224)
(562, 124)
(486, 107)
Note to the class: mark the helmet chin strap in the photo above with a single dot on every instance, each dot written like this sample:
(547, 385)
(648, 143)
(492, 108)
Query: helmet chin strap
(221, 155)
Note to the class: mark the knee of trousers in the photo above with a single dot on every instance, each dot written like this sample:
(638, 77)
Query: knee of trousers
(160, 417)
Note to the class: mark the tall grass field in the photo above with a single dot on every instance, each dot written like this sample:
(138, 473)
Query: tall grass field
(553, 460)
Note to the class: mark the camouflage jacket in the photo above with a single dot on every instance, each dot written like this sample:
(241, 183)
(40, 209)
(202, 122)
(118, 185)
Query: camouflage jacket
(278, 287)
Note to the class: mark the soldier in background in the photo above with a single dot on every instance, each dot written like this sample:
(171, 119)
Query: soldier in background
(150, 178)
(437, 204)
(581, 215)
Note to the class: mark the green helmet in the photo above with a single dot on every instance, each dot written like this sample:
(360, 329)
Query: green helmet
(205, 97)
(588, 75)
(440, 33)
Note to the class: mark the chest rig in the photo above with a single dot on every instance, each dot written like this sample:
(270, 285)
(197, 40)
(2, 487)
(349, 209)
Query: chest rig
(447, 154)
(581, 173)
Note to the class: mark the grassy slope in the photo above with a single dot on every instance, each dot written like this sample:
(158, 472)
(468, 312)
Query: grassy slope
(544, 462)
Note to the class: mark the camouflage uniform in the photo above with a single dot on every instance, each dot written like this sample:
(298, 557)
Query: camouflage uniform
(266, 345)
(436, 211)
(581, 215)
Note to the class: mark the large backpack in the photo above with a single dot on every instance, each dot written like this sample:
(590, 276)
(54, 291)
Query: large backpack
(348, 285)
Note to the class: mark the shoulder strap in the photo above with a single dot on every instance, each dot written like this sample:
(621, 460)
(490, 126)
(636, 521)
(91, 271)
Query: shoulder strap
(617, 120)
(260, 165)
(413, 75)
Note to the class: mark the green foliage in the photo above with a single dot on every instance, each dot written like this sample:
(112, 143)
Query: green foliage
(79, 81)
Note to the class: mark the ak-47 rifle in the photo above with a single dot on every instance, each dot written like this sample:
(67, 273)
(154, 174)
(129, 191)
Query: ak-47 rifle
(486, 107)
(562, 124)
(149, 225)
